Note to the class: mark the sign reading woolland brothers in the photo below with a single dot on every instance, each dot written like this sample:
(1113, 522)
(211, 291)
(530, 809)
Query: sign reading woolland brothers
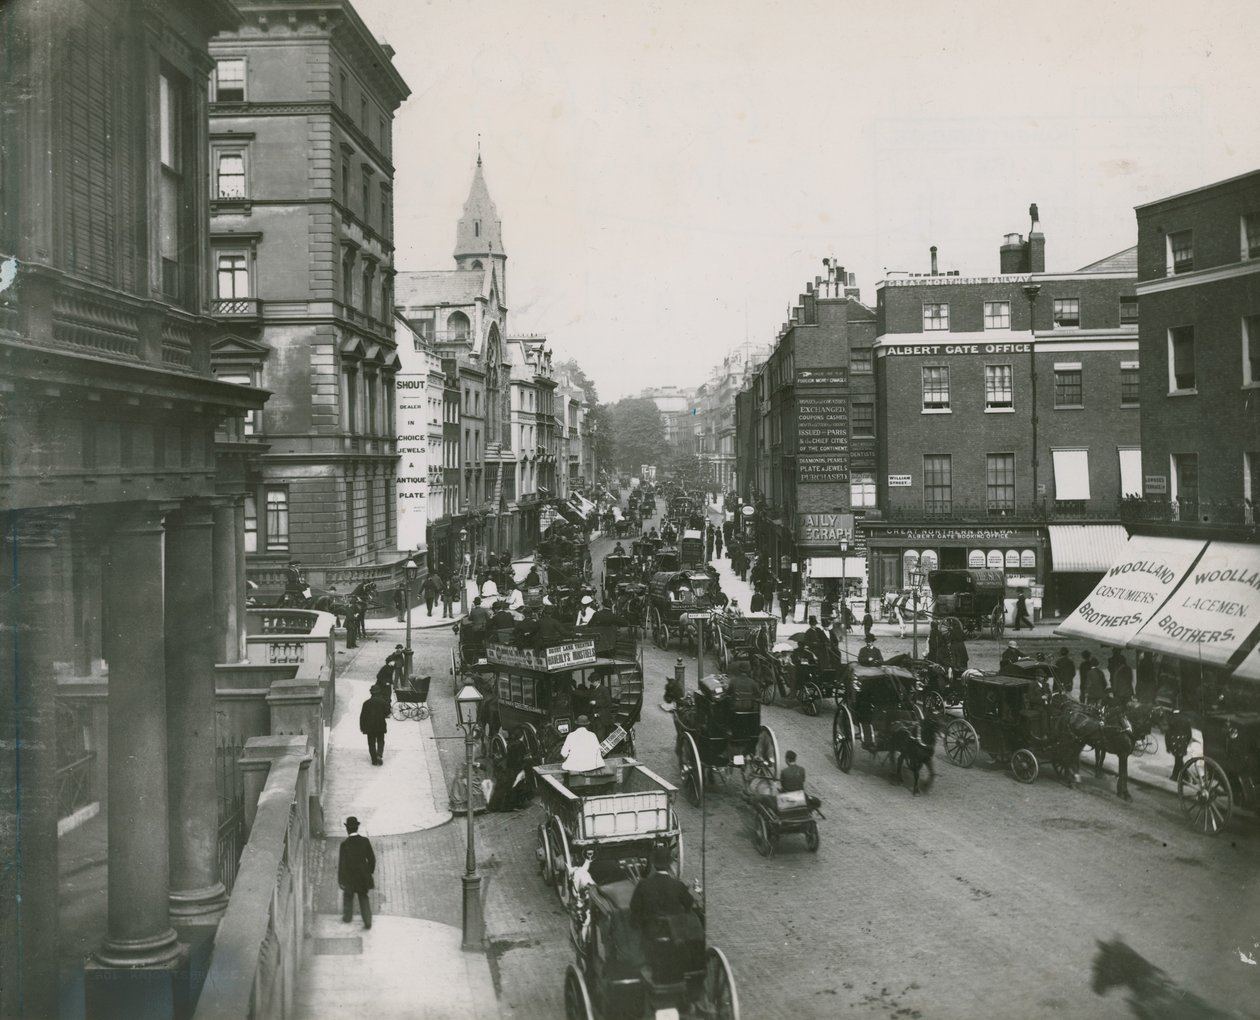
(822, 425)
(557, 657)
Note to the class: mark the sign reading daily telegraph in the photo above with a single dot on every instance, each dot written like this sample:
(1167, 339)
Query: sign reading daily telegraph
(1133, 591)
(550, 660)
(1213, 611)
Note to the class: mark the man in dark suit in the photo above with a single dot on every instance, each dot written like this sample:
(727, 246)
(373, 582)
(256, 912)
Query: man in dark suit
(372, 724)
(1064, 672)
(356, 863)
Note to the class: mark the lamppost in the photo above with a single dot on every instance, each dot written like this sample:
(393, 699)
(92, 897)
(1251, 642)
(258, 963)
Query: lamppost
(463, 574)
(467, 701)
(916, 579)
(410, 572)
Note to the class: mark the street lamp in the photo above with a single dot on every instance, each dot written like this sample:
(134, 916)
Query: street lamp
(410, 572)
(467, 702)
(916, 579)
(463, 574)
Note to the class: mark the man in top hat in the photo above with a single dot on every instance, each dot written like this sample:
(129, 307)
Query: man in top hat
(356, 864)
(586, 612)
(503, 618)
(870, 655)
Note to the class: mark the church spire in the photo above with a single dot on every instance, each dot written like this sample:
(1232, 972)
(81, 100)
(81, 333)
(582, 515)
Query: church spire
(479, 232)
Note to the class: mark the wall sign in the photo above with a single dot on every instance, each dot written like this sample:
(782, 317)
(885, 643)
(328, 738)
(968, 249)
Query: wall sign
(1155, 485)
(822, 437)
(824, 529)
(895, 481)
(938, 350)
(954, 534)
(836, 376)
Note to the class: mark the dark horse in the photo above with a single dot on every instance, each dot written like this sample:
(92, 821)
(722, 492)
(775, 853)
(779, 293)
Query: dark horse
(915, 746)
(1141, 718)
(1079, 728)
(1154, 995)
(362, 595)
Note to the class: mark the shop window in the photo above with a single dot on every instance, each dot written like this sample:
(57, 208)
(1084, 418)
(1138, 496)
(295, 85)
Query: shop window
(1185, 479)
(910, 566)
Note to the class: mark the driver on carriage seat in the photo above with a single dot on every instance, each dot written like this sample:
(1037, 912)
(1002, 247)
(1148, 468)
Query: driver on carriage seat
(580, 752)
(618, 549)
(661, 908)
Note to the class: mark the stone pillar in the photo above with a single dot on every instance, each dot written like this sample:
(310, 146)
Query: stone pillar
(297, 708)
(139, 969)
(239, 531)
(197, 896)
(229, 600)
(31, 607)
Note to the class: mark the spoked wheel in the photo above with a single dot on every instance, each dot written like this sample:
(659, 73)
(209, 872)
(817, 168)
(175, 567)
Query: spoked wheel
(768, 750)
(997, 622)
(562, 862)
(454, 672)
(399, 711)
(692, 769)
(1024, 765)
(961, 743)
(577, 999)
(721, 1001)
(660, 630)
(810, 695)
(766, 682)
(812, 838)
(545, 862)
(1203, 789)
(723, 656)
(842, 738)
(763, 838)
(933, 704)
(677, 855)
(497, 751)
(1147, 745)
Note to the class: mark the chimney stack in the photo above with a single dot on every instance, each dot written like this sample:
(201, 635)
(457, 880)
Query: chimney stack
(1036, 243)
(1012, 255)
(934, 272)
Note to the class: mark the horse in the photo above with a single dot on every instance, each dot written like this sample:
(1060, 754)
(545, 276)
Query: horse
(1141, 719)
(915, 746)
(340, 605)
(1078, 728)
(1155, 995)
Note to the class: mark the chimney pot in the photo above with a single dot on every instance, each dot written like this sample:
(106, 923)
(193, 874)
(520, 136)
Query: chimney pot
(933, 250)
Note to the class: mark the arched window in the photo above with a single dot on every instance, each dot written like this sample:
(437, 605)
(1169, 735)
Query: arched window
(909, 564)
(457, 326)
(477, 264)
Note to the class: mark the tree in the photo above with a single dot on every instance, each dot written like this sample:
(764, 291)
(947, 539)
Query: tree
(687, 470)
(637, 433)
(574, 371)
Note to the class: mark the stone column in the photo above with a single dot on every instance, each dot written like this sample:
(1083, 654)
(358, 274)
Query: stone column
(229, 600)
(242, 644)
(30, 607)
(197, 896)
(136, 972)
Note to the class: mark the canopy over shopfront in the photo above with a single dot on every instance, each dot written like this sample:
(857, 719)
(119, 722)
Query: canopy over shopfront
(836, 566)
(1085, 548)
(1198, 601)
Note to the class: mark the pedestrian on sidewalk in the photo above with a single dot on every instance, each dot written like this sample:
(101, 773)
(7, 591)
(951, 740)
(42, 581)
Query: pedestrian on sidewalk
(868, 621)
(356, 864)
(449, 594)
(1122, 679)
(786, 603)
(1021, 612)
(1064, 670)
(431, 589)
(352, 622)
(372, 718)
(400, 604)
(708, 543)
(899, 616)
(717, 542)
(1093, 681)
(1146, 678)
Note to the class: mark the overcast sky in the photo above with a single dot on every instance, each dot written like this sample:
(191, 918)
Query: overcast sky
(669, 175)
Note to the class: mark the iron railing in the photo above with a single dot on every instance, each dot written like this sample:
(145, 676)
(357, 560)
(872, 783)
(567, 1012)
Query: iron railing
(74, 785)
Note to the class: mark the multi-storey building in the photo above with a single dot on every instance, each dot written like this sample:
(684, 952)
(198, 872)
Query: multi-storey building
(1007, 421)
(715, 413)
(809, 423)
(124, 574)
(675, 405)
(302, 104)
(534, 434)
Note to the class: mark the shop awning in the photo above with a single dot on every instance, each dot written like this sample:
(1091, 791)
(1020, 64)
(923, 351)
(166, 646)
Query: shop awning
(1134, 588)
(1214, 611)
(835, 566)
(1086, 548)
(1249, 668)
(584, 506)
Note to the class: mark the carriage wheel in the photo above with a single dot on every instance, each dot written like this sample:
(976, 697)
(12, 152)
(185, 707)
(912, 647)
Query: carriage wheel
(545, 863)
(934, 704)
(723, 656)
(810, 695)
(691, 768)
(768, 750)
(497, 751)
(842, 738)
(1024, 765)
(677, 855)
(961, 743)
(533, 745)
(780, 678)
(812, 838)
(766, 682)
(1203, 789)
(997, 622)
(721, 999)
(1147, 745)
(762, 838)
(562, 866)
(660, 632)
(577, 1000)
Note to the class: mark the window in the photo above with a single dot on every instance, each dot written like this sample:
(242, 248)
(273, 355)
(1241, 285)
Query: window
(231, 276)
(1068, 386)
(384, 132)
(1185, 481)
(229, 81)
(367, 195)
(363, 115)
(384, 212)
(1130, 384)
(997, 315)
(1000, 481)
(937, 483)
(1128, 311)
(860, 361)
(171, 116)
(1130, 470)
(1250, 228)
(368, 273)
(350, 380)
(347, 279)
(1180, 252)
(277, 517)
(349, 515)
(230, 175)
(369, 380)
(345, 92)
(1251, 474)
(242, 379)
(1251, 349)
(1181, 358)
(936, 388)
(863, 421)
(251, 524)
(345, 184)
(1067, 312)
(862, 490)
(935, 317)
(999, 388)
(1071, 475)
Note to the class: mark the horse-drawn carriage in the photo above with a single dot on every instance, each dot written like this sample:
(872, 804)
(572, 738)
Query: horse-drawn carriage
(975, 597)
(735, 636)
(665, 559)
(1010, 719)
(1228, 770)
(691, 549)
(880, 698)
(677, 601)
(618, 567)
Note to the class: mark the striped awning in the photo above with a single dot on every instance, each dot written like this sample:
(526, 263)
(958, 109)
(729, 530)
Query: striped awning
(1085, 548)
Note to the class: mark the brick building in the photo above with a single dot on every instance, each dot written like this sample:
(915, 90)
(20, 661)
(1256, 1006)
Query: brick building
(1007, 421)
(302, 106)
(715, 418)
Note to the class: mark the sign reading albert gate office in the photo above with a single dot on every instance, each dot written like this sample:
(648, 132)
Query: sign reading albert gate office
(937, 350)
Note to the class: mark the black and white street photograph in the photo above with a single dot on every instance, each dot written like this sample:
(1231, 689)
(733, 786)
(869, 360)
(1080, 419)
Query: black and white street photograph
(629, 510)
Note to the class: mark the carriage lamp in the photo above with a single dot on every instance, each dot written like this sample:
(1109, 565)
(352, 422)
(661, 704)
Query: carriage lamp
(410, 573)
(466, 704)
(916, 579)
(463, 574)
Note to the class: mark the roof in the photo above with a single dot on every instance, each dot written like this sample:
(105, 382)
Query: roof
(439, 287)
(1121, 262)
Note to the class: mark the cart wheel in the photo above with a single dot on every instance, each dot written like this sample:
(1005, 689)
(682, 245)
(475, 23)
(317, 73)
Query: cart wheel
(533, 744)
(1147, 745)
(722, 1001)
(660, 630)
(933, 704)
(842, 738)
(497, 751)
(810, 695)
(780, 679)
(677, 855)
(768, 750)
(812, 838)
(961, 743)
(765, 682)
(997, 622)
(545, 863)
(723, 656)
(1024, 765)
(1203, 789)
(399, 711)
(577, 1000)
(563, 866)
(763, 839)
(691, 768)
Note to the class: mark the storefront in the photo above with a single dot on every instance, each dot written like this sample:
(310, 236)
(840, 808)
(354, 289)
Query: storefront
(894, 552)
(1079, 556)
(833, 551)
